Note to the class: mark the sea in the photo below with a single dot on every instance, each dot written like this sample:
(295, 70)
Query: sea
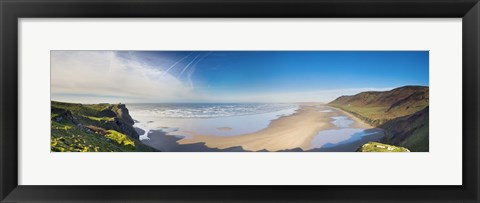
(216, 119)
(344, 138)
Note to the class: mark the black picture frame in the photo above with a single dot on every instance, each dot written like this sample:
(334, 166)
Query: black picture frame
(12, 10)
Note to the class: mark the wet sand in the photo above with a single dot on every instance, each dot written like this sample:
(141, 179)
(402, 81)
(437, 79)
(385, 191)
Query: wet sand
(224, 128)
(291, 132)
(168, 143)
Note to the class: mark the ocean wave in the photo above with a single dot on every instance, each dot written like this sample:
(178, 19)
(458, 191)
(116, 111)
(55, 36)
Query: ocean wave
(206, 110)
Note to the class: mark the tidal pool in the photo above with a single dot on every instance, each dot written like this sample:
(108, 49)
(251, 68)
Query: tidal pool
(344, 134)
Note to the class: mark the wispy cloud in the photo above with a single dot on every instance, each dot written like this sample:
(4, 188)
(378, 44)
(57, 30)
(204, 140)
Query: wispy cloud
(190, 63)
(176, 63)
(98, 74)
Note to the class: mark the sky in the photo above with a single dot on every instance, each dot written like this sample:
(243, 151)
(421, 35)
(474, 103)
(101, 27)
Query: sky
(230, 76)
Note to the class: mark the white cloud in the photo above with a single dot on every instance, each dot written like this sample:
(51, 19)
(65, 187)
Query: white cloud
(102, 76)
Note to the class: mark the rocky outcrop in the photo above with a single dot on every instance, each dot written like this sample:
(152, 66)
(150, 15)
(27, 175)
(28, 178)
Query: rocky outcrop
(79, 127)
(380, 147)
(124, 121)
(122, 113)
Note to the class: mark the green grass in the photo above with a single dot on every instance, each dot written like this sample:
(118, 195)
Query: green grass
(418, 141)
(369, 112)
(99, 118)
(82, 109)
(70, 138)
(377, 114)
(380, 147)
(372, 115)
(120, 138)
(53, 115)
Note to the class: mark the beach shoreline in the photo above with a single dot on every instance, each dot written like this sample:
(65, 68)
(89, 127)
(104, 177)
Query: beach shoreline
(284, 133)
(359, 123)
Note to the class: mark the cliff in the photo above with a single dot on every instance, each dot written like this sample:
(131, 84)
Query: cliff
(409, 131)
(402, 112)
(93, 127)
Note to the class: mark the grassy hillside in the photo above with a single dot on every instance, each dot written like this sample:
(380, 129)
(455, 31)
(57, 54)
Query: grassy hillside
(401, 112)
(409, 131)
(379, 107)
(93, 128)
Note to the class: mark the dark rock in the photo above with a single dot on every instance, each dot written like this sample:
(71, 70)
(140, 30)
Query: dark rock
(125, 121)
(122, 113)
(107, 113)
(140, 131)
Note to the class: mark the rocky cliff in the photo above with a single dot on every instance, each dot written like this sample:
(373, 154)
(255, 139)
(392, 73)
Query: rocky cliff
(93, 127)
(409, 131)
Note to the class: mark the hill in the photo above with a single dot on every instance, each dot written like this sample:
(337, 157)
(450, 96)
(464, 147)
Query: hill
(378, 107)
(402, 112)
(409, 131)
(93, 128)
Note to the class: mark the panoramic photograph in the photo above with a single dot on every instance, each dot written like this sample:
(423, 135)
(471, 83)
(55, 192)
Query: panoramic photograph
(239, 101)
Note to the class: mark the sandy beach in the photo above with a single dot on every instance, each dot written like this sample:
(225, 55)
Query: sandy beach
(287, 132)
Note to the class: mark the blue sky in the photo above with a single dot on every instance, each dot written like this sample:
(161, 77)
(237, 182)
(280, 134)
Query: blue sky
(234, 76)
